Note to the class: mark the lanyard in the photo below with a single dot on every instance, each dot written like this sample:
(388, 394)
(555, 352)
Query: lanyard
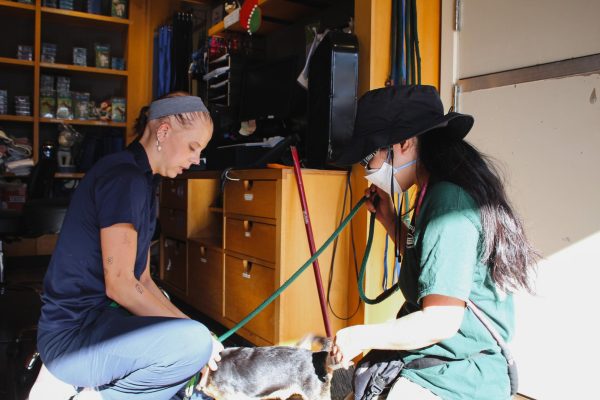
(421, 197)
(410, 225)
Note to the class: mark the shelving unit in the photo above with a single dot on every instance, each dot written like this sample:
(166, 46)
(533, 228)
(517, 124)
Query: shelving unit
(68, 15)
(87, 70)
(14, 6)
(14, 61)
(38, 24)
(84, 122)
(16, 118)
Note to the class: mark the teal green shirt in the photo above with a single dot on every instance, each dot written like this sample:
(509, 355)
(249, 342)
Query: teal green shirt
(446, 260)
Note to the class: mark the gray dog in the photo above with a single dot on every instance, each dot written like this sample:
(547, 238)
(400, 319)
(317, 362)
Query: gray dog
(275, 372)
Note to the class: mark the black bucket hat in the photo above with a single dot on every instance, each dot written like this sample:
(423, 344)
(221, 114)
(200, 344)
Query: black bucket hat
(395, 113)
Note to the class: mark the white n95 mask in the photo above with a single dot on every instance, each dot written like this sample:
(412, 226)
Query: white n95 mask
(383, 177)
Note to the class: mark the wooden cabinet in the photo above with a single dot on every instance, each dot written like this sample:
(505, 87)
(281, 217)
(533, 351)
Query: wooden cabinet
(191, 230)
(262, 242)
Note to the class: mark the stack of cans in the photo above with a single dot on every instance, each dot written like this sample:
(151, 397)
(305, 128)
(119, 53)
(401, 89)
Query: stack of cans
(49, 52)
(3, 102)
(65, 4)
(22, 105)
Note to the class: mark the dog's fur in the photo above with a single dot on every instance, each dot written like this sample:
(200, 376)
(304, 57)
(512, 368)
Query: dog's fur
(276, 372)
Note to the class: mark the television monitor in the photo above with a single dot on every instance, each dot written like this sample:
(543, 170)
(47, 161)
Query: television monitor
(268, 90)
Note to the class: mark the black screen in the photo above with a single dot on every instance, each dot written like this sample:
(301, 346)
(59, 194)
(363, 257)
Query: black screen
(267, 89)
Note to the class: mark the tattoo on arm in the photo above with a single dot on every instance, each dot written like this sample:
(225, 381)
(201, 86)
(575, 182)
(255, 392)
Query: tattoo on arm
(109, 260)
(139, 288)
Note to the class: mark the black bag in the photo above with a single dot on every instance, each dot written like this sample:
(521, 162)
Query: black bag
(375, 373)
(379, 369)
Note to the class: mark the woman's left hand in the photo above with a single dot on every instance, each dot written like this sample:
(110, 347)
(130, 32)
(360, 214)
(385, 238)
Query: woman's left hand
(347, 344)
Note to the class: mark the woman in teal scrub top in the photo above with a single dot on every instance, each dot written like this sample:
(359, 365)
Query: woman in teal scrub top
(463, 243)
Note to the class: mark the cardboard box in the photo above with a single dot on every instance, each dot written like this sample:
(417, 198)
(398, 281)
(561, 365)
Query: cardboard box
(42, 246)
(13, 195)
(45, 244)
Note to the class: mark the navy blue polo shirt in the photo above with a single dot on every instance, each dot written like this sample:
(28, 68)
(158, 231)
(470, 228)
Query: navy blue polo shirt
(120, 188)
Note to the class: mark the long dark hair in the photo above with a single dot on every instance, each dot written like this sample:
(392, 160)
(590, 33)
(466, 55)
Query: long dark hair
(505, 248)
(142, 119)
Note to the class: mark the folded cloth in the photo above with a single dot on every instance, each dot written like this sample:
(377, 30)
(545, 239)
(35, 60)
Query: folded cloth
(16, 164)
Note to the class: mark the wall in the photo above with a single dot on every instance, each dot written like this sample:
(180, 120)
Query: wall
(373, 26)
(139, 68)
(544, 134)
(551, 165)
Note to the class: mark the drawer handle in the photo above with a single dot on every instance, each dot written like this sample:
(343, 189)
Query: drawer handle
(248, 229)
(247, 268)
(248, 185)
(203, 254)
(180, 190)
(168, 268)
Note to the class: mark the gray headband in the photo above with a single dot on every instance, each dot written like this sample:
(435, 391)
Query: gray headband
(175, 105)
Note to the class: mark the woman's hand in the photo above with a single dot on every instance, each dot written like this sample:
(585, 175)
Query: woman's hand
(347, 344)
(380, 203)
(215, 357)
(217, 347)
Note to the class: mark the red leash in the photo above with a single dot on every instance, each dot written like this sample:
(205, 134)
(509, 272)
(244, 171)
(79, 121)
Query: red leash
(311, 239)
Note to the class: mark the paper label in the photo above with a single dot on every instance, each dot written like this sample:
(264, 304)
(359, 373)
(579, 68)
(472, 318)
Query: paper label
(231, 18)
(248, 196)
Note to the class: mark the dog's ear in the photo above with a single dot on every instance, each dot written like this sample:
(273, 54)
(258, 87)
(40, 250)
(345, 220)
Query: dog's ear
(306, 342)
(323, 343)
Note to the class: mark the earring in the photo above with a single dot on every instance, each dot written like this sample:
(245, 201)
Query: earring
(158, 146)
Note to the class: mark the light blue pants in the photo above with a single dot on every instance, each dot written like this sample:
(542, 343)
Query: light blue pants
(125, 356)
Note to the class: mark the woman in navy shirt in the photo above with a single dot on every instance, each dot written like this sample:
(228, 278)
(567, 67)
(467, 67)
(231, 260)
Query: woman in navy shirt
(147, 346)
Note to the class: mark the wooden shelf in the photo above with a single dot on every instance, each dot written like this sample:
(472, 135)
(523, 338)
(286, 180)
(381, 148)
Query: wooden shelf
(16, 118)
(17, 62)
(68, 15)
(10, 175)
(87, 70)
(275, 15)
(69, 175)
(17, 6)
(84, 122)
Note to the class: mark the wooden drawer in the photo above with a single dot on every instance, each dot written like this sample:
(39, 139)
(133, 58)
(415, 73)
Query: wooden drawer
(173, 223)
(251, 197)
(251, 238)
(174, 193)
(205, 283)
(247, 286)
(175, 264)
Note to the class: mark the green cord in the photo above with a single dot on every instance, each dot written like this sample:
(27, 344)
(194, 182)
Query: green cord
(415, 38)
(361, 277)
